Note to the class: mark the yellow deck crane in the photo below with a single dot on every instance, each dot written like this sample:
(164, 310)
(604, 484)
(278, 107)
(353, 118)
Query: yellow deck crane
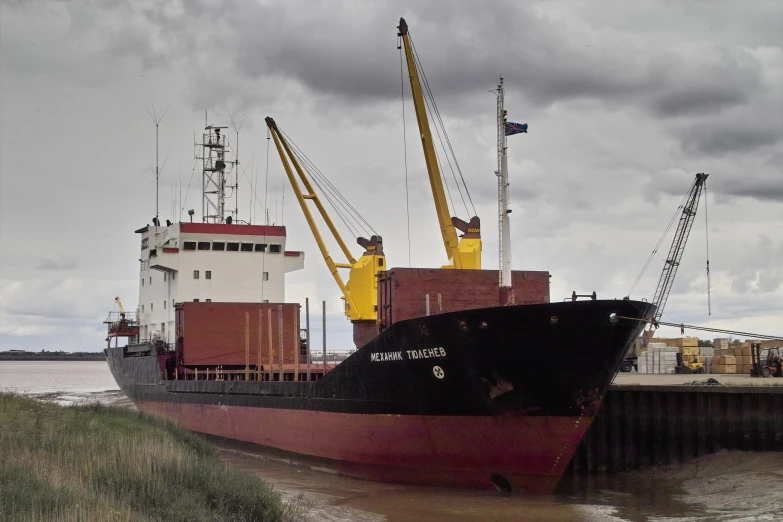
(361, 290)
(465, 252)
(119, 305)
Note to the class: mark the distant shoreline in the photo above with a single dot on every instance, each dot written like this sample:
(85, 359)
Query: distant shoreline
(97, 356)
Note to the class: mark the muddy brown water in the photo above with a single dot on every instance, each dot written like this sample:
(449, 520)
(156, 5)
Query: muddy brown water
(726, 486)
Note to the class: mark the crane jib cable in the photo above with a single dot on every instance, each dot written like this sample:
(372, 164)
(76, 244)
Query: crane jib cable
(682, 326)
(438, 120)
(347, 213)
(673, 219)
(707, 236)
(335, 199)
(405, 153)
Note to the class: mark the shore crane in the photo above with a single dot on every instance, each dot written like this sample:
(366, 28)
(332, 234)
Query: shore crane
(665, 282)
(464, 252)
(361, 290)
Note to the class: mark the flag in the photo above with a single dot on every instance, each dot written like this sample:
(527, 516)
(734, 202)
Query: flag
(515, 128)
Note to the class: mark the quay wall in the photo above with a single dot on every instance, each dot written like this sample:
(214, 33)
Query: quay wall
(640, 426)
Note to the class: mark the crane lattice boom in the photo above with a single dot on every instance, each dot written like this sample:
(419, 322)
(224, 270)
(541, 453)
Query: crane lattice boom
(678, 245)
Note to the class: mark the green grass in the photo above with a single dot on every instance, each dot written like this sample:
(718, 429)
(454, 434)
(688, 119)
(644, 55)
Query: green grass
(85, 463)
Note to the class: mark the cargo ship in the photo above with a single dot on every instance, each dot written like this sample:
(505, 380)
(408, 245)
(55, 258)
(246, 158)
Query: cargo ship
(461, 376)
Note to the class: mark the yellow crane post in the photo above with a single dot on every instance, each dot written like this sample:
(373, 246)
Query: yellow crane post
(464, 253)
(361, 290)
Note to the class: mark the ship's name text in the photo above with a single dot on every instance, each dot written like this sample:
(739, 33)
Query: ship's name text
(425, 353)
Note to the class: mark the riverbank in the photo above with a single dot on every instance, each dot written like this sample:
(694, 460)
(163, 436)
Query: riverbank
(102, 463)
(52, 356)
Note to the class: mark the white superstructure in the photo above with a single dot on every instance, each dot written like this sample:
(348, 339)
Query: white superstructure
(205, 262)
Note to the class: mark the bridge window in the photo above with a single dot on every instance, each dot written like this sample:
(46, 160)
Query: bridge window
(260, 247)
(208, 274)
(232, 247)
(203, 245)
(247, 247)
(218, 246)
(266, 276)
(195, 274)
(275, 249)
(190, 245)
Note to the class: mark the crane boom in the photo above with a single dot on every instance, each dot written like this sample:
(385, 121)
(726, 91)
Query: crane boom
(678, 245)
(119, 305)
(361, 290)
(462, 253)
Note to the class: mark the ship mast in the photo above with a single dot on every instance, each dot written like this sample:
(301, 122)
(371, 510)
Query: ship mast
(214, 147)
(504, 228)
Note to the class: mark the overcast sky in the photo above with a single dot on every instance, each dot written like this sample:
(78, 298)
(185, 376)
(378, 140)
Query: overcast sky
(626, 101)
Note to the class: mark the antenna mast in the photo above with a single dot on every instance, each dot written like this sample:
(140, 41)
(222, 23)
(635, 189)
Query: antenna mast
(156, 120)
(214, 146)
(504, 228)
(237, 128)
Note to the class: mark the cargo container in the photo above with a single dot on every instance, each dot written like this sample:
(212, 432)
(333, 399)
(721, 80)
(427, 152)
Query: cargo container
(407, 293)
(236, 334)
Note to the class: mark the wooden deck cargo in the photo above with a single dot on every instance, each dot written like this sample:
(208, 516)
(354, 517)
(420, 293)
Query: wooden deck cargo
(402, 292)
(213, 334)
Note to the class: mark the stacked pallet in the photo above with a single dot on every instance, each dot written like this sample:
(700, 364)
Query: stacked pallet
(720, 343)
(658, 359)
(681, 342)
(744, 360)
(724, 364)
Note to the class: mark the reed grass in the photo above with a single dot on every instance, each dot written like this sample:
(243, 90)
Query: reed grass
(85, 463)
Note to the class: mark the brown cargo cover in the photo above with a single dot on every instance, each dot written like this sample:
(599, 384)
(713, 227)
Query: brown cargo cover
(402, 291)
(213, 334)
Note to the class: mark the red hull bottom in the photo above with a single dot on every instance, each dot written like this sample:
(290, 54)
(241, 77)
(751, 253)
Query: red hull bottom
(529, 453)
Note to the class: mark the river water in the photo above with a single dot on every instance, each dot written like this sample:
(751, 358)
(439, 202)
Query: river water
(727, 486)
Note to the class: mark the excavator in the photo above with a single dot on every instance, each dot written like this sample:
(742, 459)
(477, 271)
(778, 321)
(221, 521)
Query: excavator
(463, 252)
(361, 290)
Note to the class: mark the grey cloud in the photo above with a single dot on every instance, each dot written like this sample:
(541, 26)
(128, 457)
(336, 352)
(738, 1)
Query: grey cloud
(727, 136)
(705, 81)
(348, 56)
(351, 57)
(64, 262)
(762, 271)
(696, 101)
(767, 187)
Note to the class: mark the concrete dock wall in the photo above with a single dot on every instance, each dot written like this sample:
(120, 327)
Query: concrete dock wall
(641, 426)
